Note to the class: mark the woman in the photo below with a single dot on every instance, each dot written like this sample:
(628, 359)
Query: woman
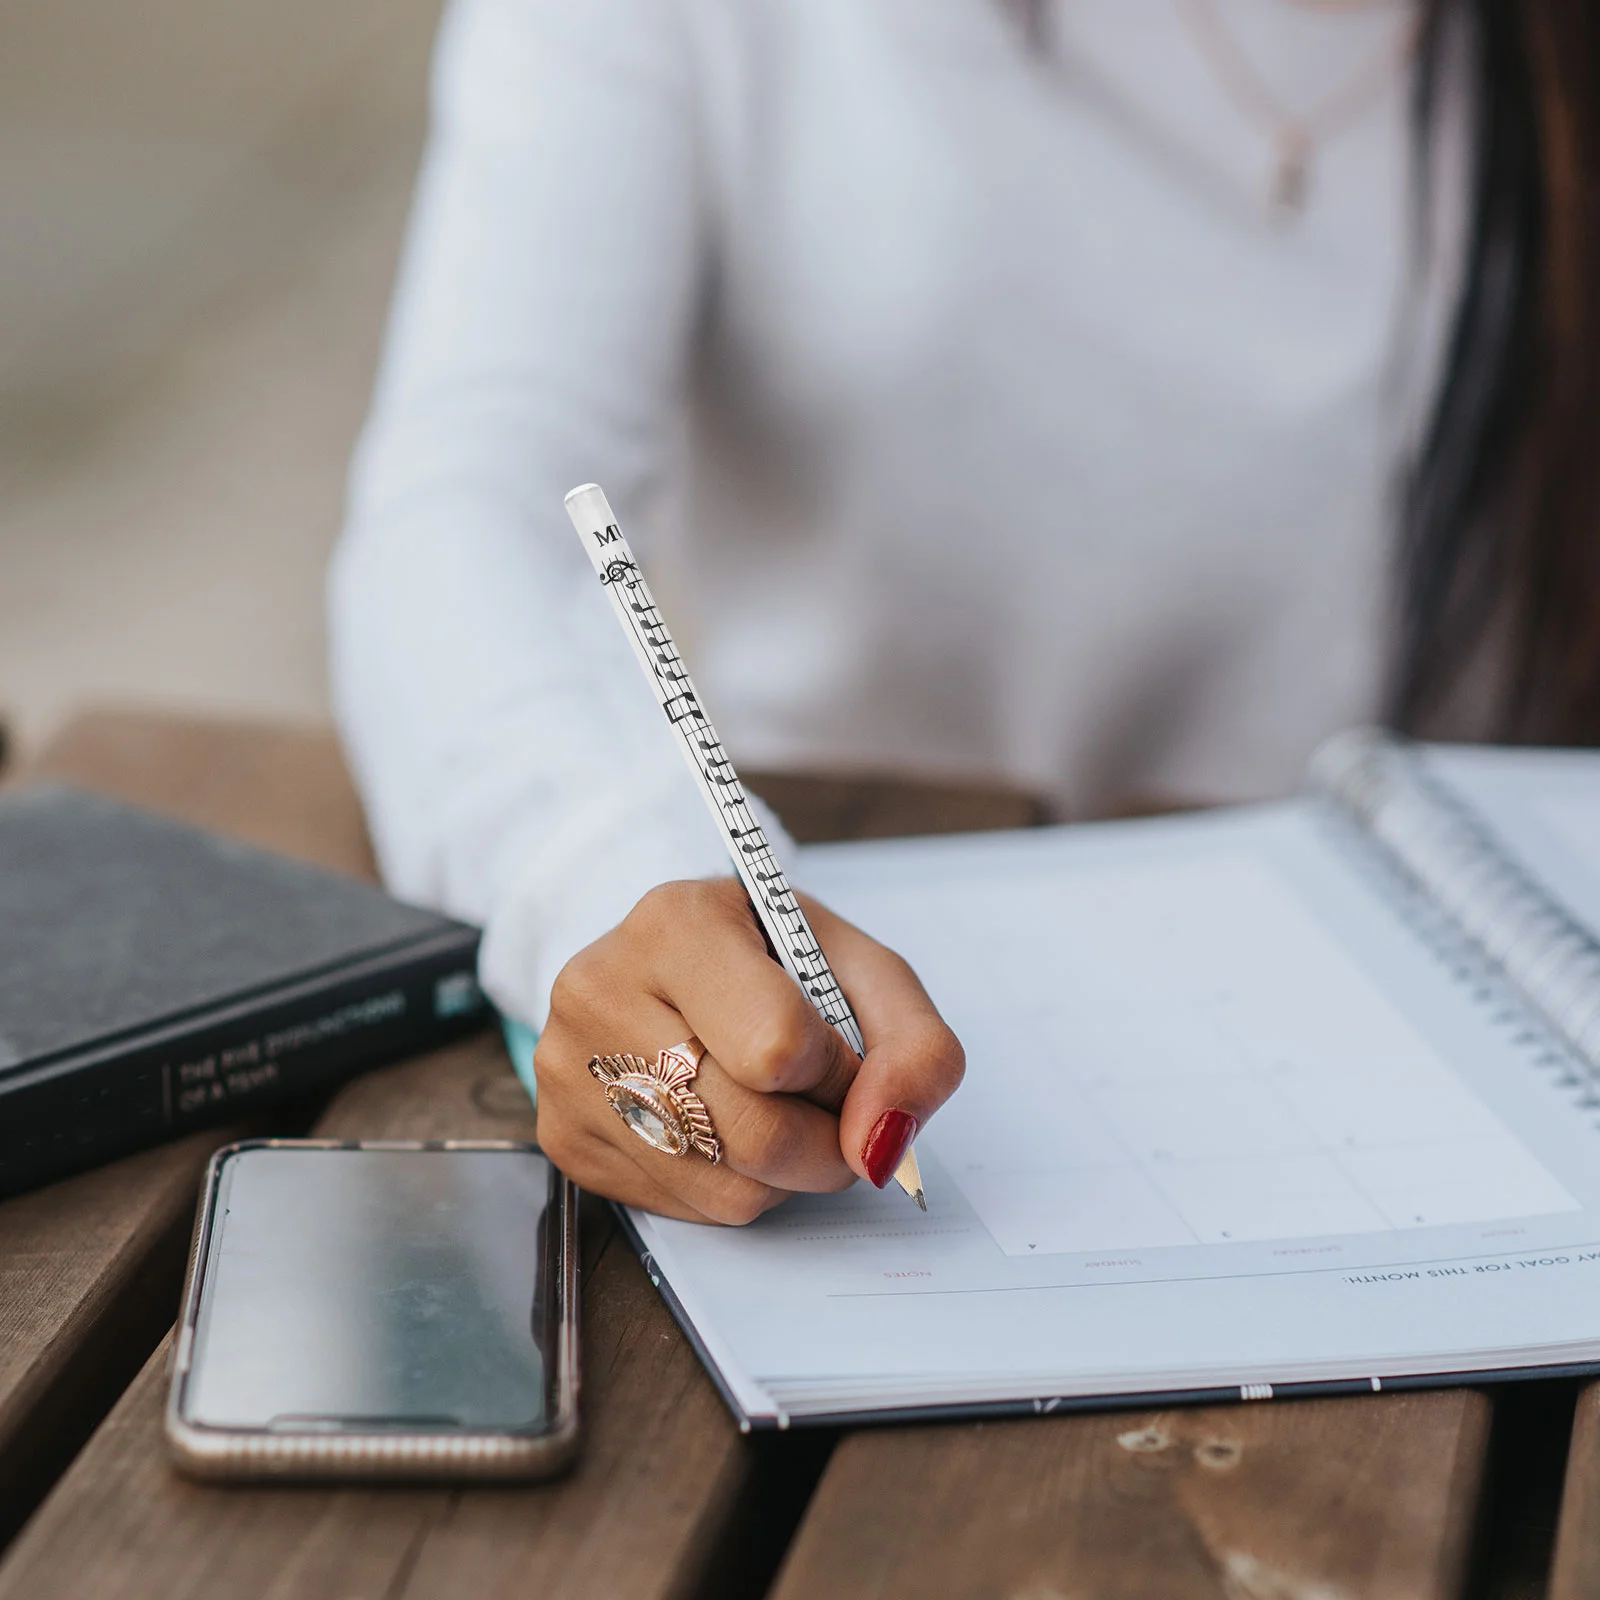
(1001, 390)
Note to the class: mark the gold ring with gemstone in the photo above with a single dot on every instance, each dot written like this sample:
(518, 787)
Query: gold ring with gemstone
(655, 1100)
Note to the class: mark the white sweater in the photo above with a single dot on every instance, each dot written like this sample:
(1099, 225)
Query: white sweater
(971, 411)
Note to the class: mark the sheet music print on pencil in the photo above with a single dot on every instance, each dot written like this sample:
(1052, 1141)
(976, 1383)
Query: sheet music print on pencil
(788, 930)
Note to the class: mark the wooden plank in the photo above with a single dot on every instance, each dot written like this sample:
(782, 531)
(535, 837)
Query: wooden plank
(1304, 1500)
(1575, 1570)
(90, 1268)
(662, 1459)
(817, 808)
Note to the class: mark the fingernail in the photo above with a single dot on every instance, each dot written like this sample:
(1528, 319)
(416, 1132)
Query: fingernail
(887, 1144)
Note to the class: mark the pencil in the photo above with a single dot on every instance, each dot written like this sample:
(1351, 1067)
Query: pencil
(788, 931)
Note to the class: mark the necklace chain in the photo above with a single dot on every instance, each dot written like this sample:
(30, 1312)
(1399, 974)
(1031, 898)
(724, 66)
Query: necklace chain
(1295, 134)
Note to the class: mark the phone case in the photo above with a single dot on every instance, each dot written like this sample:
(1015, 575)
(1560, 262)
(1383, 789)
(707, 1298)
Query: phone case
(203, 1451)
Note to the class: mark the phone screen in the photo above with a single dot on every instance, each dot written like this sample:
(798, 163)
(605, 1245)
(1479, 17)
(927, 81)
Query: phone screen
(370, 1289)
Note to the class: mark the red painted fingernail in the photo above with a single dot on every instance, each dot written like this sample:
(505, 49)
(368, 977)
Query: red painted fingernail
(887, 1144)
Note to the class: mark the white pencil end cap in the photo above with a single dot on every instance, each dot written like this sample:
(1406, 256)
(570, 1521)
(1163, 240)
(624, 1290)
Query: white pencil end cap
(588, 501)
(592, 516)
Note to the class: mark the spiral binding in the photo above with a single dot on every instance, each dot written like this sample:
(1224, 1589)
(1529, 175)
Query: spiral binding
(1490, 916)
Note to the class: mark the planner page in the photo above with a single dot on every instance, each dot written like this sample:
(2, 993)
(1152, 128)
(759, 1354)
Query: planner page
(1544, 808)
(1231, 1117)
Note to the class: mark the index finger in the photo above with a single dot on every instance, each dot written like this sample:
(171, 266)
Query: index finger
(702, 952)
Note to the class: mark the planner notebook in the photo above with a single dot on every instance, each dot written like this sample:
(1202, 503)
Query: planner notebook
(1288, 1099)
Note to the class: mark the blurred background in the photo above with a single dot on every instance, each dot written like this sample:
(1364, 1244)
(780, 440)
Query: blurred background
(201, 204)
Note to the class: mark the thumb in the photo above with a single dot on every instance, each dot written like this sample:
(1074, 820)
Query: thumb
(913, 1064)
(903, 1080)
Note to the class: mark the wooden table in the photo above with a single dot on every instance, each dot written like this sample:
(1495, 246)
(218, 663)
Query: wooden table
(1437, 1494)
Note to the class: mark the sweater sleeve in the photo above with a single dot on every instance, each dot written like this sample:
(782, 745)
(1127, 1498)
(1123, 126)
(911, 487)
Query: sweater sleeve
(514, 770)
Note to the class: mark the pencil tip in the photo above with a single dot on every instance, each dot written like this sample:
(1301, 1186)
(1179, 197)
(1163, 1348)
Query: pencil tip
(921, 1201)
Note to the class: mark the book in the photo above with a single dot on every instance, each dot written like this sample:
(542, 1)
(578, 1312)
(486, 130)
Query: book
(154, 978)
(1288, 1099)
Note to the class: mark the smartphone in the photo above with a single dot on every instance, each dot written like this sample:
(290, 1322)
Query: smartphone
(378, 1310)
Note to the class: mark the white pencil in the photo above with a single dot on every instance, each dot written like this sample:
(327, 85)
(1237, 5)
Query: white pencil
(787, 930)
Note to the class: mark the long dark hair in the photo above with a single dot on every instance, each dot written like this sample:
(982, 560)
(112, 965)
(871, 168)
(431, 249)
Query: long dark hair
(1500, 525)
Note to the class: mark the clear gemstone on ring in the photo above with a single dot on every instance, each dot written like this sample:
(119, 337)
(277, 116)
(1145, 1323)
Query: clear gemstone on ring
(648, 1114)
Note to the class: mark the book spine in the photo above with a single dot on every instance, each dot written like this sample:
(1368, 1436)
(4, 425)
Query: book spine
(1507, 919)
(64, 1116)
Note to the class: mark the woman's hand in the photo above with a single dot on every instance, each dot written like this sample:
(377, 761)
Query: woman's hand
(794, 1108)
